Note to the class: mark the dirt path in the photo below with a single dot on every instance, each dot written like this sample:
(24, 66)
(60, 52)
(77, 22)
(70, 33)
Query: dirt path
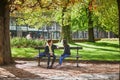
(29, 70)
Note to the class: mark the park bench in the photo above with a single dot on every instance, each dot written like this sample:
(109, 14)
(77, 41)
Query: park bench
(77, 54)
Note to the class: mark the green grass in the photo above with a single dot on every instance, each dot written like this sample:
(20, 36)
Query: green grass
(24, 52)
(103, 50)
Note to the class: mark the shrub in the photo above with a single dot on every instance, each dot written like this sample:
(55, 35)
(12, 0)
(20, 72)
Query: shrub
(23, 42)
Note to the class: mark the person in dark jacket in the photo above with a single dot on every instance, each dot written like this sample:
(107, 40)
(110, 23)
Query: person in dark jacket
(66, 52)
(49, 52)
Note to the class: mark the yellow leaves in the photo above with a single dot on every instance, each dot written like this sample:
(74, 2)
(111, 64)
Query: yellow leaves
(45, 2)
(48, 4)
(92, 5)
(17, 2)
(72, 1)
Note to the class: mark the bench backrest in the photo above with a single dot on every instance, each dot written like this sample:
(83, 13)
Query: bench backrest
(41, 47)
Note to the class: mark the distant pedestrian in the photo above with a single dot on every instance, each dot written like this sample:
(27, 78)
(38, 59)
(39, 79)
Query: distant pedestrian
(41, 37)
(29, 36)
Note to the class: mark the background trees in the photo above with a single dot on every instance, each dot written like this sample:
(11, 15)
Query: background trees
(108, 15)
(77, 14)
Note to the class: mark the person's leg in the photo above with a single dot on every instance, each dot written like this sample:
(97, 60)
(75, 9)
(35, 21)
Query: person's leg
(53, 60)
(62, 58)
(48, 62)
(40, 56)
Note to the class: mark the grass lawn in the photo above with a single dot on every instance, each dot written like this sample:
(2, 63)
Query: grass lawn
(104, 50)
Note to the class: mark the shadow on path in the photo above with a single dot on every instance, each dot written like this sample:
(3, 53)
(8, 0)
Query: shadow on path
(20, 73)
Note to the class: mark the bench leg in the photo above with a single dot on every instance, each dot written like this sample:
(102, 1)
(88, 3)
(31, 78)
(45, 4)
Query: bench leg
(77, 60)
(38, 61)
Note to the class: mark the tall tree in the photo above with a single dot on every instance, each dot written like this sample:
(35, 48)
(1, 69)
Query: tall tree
(85, 18)
(90, 22)
(5, 51)
(101, 13)
(66, 27)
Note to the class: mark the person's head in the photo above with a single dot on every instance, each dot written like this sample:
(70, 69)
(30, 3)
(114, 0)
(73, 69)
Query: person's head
(64, 42)
(50, 42)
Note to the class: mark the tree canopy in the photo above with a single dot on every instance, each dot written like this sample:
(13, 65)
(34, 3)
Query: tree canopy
(108, 15)
(37, 13)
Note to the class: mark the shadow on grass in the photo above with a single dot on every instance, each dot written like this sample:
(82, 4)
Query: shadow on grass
(102, 49)
(103, 44)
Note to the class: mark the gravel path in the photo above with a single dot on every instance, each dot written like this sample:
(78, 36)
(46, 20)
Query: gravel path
(28, 70)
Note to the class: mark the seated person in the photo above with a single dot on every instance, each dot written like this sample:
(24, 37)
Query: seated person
(49, 52)
(65, 54)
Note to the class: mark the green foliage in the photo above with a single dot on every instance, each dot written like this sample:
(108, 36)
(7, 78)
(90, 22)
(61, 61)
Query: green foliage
(107, 12)
(58, 16)
(79, 21)
(62, 15)
(104, 13)
(35, 18)
(23, 42)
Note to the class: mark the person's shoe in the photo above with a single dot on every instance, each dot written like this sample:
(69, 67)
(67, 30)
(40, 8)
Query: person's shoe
(48, 67)
(58, 67)
(38, 64)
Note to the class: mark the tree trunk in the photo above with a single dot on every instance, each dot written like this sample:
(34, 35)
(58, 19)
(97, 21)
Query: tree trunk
(91, 35)
(5, 51)
(66, 33)
(66, 29)
(90, 29)
(118, 1)
(109, 34)
(90, 24)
